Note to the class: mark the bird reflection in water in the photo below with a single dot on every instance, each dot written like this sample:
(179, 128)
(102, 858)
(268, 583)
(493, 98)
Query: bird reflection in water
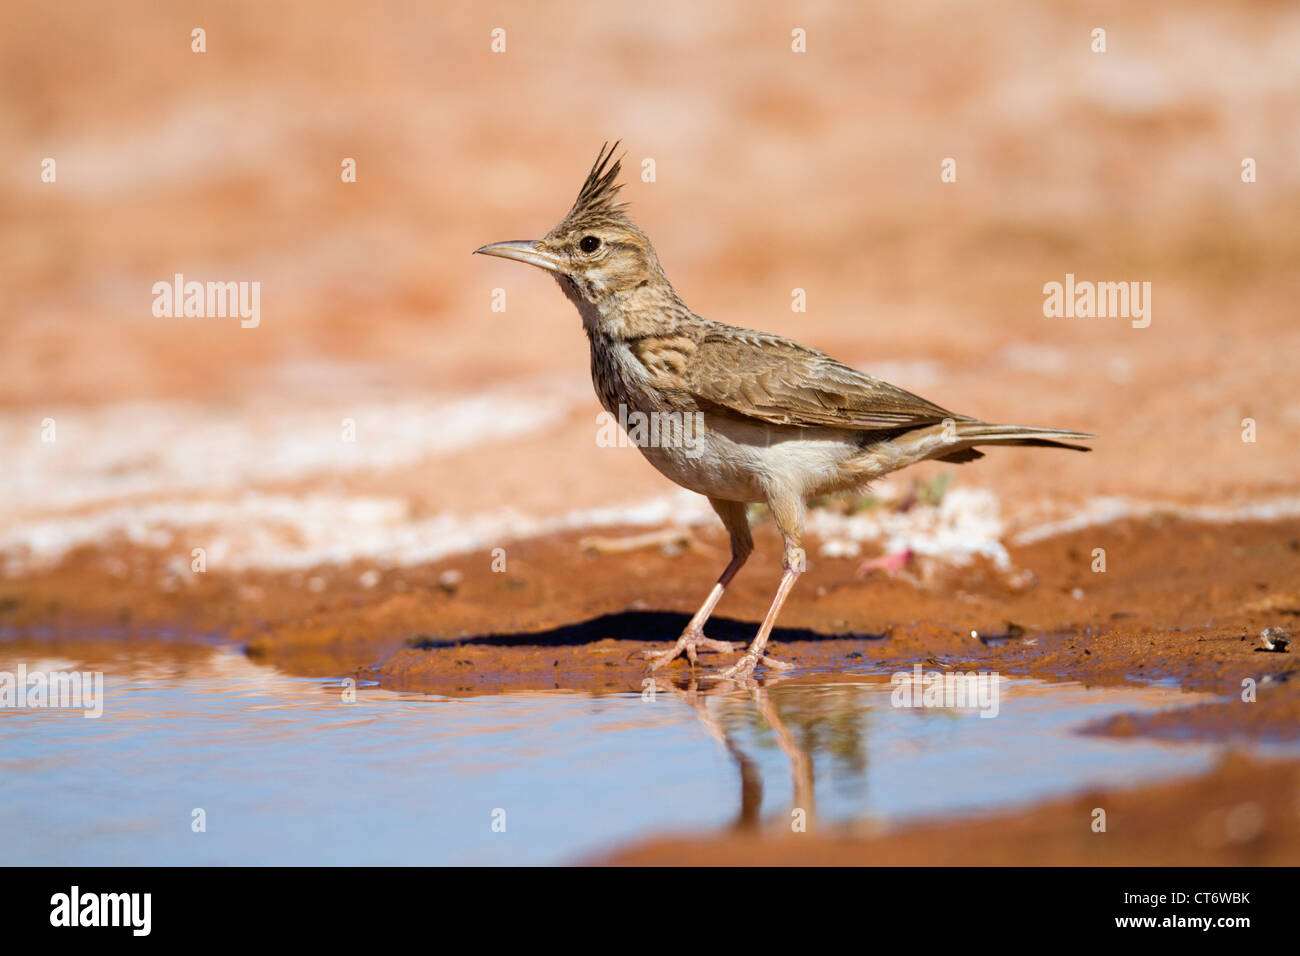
(803, 720)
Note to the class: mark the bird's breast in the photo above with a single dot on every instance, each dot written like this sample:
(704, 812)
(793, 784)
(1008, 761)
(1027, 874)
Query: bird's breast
(609, 376)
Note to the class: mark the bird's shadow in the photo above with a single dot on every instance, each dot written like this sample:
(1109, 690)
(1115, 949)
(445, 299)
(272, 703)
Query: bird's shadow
(653, 626)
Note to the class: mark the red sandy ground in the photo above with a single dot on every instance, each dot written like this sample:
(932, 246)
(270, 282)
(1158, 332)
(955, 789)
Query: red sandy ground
(774, 171)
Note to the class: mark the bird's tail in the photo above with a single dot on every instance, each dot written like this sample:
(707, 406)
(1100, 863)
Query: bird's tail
(969, 434)
(979, 433)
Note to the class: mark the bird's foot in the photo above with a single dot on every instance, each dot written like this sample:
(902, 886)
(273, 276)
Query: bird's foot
(687, 645)
(743, 669)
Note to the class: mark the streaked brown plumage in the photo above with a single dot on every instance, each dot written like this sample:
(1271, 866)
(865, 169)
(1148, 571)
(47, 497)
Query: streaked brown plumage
(779, 422)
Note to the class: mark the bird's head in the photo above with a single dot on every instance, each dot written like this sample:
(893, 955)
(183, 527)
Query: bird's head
(596, 252)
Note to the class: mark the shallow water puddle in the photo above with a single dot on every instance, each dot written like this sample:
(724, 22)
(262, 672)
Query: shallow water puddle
(285, 771)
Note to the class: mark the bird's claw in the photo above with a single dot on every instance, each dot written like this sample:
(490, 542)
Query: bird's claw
(688, 644)
(743, 669)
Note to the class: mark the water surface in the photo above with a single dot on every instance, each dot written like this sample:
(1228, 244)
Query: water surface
(287, 771)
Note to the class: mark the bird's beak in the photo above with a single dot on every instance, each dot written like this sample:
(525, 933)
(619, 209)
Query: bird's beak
(523, 250)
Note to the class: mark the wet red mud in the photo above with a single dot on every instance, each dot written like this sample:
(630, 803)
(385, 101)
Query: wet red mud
(1180, 601)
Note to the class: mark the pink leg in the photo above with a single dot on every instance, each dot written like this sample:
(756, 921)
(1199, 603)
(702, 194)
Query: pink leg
(789, 514)
(744, 668)
(733, 515)
(693, 637)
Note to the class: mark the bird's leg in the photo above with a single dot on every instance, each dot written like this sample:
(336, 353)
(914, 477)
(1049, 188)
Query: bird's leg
(693, 637)
(736, 519)
(789, 515)
(744, 668)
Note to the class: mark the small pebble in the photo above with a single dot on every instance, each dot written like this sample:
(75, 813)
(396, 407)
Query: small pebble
(1275, 639)
(450, 581)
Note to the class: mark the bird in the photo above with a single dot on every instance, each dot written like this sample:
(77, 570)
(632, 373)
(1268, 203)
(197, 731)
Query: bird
(752, 417)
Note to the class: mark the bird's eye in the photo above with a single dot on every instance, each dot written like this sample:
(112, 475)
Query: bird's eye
(589, 244)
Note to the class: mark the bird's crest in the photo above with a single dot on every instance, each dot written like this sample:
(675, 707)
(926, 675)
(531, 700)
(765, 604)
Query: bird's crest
(595, 202)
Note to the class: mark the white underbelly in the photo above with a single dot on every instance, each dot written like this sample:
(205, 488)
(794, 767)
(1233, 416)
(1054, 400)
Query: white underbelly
(739, 461)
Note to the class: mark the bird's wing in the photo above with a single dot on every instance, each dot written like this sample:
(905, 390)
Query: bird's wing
(779, 381)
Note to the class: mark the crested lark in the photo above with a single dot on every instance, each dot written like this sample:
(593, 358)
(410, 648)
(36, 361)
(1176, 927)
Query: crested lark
(778, 422)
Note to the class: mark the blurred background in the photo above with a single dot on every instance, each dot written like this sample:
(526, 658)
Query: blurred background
(774, 170)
